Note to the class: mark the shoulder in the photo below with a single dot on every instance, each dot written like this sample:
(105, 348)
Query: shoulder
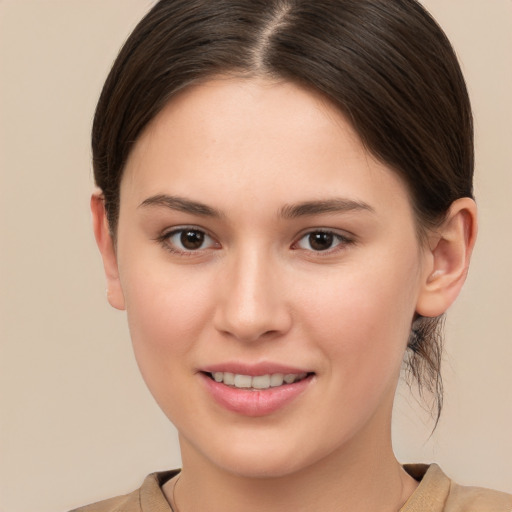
(147, 498)
(438, 493)
(126, 503)
(477, 499)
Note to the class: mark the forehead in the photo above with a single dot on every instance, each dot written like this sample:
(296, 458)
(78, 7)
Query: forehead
(258, 140)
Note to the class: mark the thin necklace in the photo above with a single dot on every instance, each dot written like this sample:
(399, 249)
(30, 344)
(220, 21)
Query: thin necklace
(173, 505)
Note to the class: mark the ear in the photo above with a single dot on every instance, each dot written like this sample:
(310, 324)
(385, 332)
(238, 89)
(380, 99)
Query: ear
(107, 249)
(447, 261)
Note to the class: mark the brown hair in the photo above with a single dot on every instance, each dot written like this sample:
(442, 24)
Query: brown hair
(386, 64)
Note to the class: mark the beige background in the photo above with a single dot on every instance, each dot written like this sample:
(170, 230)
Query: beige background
(76, 423)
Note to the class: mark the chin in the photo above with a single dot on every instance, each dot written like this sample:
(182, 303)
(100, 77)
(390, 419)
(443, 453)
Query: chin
(266, 456)
(261, 466)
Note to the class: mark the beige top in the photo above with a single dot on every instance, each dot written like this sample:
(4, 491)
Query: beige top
(436, 493)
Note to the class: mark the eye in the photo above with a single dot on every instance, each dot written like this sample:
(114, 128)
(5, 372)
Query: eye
(319, 241)
(186, 240)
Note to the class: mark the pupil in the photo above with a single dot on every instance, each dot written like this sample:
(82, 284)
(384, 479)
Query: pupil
(192, 239)
(320, 241)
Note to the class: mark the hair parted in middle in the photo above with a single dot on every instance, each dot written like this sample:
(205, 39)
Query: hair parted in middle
(385, 64)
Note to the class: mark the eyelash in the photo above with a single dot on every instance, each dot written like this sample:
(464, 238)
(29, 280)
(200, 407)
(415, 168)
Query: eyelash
(340, 241)
(165, 240)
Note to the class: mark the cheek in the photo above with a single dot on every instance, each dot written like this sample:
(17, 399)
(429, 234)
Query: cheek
(362, 322)
(165, 313)
(165, 316)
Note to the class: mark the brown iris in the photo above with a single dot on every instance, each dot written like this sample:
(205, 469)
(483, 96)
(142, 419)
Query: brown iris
(192, 239)
(321, 241)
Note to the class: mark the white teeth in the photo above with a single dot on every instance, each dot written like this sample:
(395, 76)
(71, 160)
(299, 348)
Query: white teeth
(276, 380)
(258, 382)
(261, 382)
(243, 381)
(229, 378)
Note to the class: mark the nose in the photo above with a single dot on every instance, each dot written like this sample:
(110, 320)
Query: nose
(252, 301)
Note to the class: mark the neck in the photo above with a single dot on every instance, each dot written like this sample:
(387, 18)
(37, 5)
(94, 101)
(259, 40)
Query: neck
(363, 476)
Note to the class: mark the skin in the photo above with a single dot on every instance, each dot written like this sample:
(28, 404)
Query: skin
(257, 291)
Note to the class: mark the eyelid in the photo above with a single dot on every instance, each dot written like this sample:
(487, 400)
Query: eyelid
(343, 239)
(165, 236)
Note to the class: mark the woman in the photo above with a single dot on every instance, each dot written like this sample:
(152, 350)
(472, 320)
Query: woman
(285, 212)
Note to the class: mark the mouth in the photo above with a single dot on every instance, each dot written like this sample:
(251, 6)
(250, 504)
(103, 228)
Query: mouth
(257, 389)
(257, 382)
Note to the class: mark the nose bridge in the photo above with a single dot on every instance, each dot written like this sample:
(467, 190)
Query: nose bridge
(252, 302)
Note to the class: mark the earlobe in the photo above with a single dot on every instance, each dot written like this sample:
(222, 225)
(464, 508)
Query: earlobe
(107, 249)
(448, 260)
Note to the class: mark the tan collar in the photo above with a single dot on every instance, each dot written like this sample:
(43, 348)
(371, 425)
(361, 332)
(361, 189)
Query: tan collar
(431, 493)
(435, 493)
(152, 498)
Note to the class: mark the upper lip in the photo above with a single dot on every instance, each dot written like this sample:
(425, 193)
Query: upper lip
(262, 368)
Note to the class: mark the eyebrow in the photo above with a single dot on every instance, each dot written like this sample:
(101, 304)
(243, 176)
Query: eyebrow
(291, 211)
(182, 205)
(336, 205)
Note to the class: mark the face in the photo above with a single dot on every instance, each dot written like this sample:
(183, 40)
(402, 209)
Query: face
(270, 270)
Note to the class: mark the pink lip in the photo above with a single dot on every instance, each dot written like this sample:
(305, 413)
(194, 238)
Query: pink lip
(255, 403)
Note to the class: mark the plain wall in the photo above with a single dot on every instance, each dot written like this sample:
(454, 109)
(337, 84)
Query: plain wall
(77, 424)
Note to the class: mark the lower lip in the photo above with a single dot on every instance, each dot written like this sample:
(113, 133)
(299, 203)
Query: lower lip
(260, 402)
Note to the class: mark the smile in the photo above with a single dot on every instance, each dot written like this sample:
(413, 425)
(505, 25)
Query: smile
(257, 382)
(253, 392)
